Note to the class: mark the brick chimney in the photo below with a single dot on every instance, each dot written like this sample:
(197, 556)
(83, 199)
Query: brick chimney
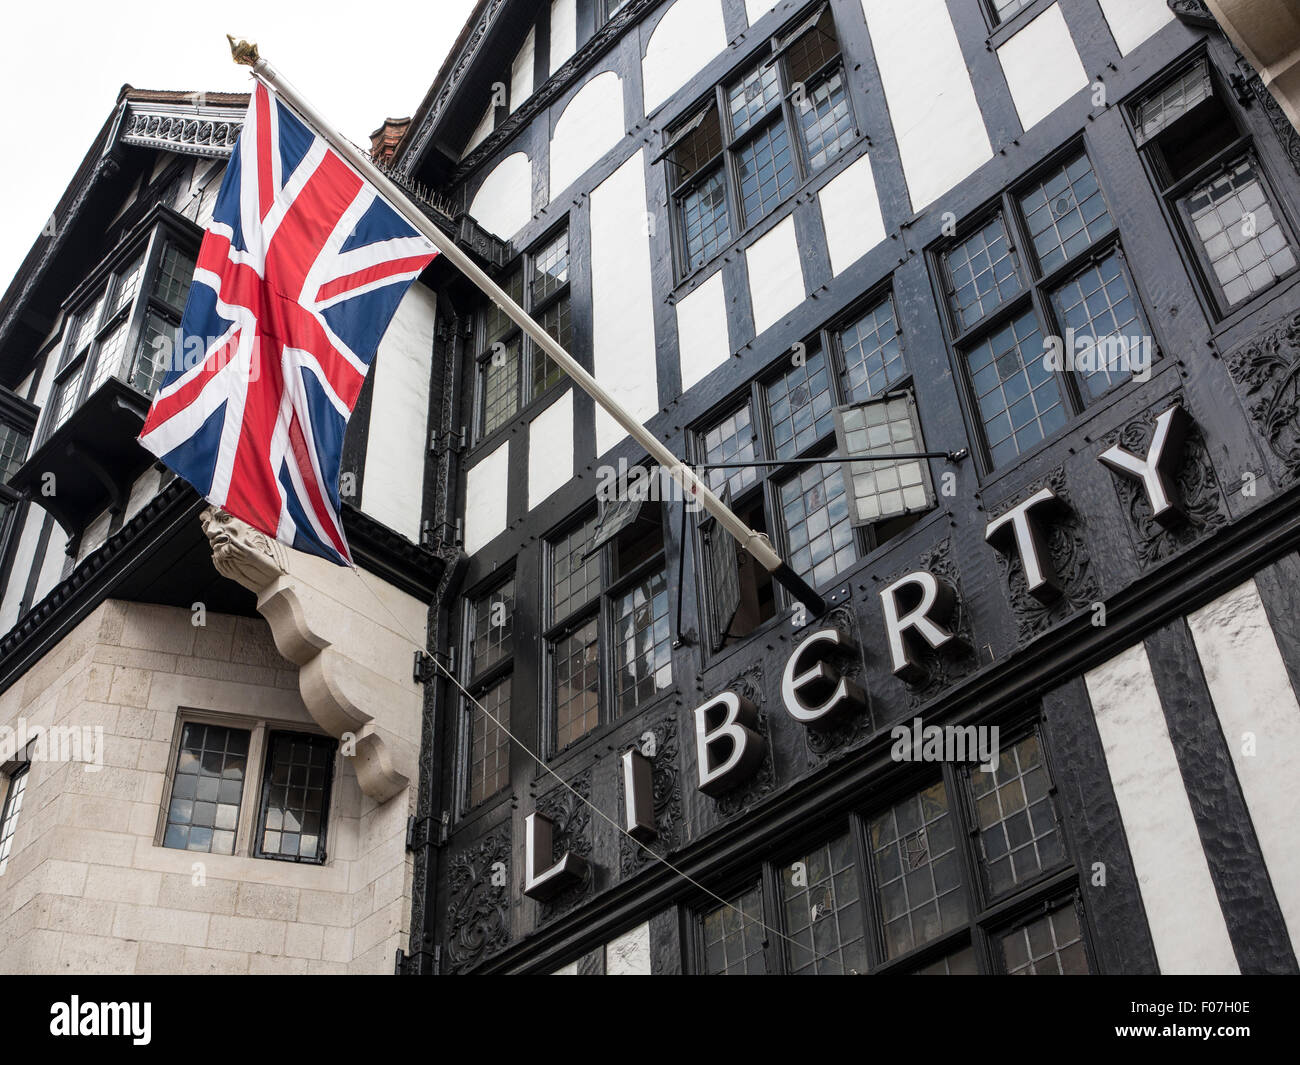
(384, 141)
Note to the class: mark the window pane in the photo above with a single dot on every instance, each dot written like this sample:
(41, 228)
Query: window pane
(1065, 213)
(12, 808)
(551, 267)
(642, 642)
(13, 450)
(812, 50)
(158, 348)
(577, 683)
(801, 406)
(883, 490)
(917, 874)
(83, 328)
(108, 361)
(825, 121)
(1098, 304)
(959, 963)
(1247, 247)
(766, 171)
(873, 351)
(815, 509)
(575, 578)
(1019, 832)
(697, 147)
(1004, 9)
(496, 323)
(489, 747)
(500, 374)
(174, 275)
(823, 912)
(982, 273)
(492, 624)
(705, 226)
(1173, 100)
(752, 97)
(295, 797)
(128, 283)
(556, 321)
(1019, 398)
(207, 789)
(1052, 945)
(731, 440)
(733, 936)
(66, 397)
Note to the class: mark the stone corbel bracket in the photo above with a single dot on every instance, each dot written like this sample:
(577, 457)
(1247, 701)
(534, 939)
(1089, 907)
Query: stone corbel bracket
(340, 692)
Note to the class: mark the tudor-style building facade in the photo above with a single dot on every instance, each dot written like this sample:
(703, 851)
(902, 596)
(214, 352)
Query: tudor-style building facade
(775, 231)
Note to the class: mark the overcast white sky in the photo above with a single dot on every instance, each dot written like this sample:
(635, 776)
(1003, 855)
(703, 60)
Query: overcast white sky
(65, 61)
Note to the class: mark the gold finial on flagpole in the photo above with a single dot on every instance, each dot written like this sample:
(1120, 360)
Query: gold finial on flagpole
(242, 51)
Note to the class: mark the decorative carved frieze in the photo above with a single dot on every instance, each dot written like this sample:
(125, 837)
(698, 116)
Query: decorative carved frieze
(1066, 544)
(665, 778)
(570, 811)
(1266, 368)
(212, 133)
(1199, 492)
(478, 901)
(845, 731)
(750, 685)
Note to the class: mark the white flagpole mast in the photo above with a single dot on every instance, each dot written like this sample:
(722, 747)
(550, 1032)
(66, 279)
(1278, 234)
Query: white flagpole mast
(756, 543)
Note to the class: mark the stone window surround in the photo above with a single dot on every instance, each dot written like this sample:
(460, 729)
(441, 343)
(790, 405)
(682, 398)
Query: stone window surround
(250, 802)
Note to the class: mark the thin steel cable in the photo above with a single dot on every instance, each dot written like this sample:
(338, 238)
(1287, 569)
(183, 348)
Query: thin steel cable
(579, 796)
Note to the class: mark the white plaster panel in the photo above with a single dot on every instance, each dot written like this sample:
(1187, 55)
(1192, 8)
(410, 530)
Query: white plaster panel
(1133, 21)
(592, 123)
(932, 105)
(851, 214)
(521, 71)
(756, 9)
(56, 554)
(629, 954)
(504, 202)
(486, 486)
(144, 489)
(550, 449)
(397, 437)
(775, 275)
(690, 33)
(24, 558)
(1253, 695)
(564, 31)
(623, 328)
(482, 131)
(1186, 921)
(1042, 67)
(702, 339)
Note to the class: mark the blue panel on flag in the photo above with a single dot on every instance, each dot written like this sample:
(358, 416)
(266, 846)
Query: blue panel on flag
(362, 321)
(328, 427)
(227, 212)
(196, 458)
(295, 139)
(380, 222)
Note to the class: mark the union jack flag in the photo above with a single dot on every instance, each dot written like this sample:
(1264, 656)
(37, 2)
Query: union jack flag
(299, 274)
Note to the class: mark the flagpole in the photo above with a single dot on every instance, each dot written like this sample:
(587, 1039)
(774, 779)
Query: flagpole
(756, 543)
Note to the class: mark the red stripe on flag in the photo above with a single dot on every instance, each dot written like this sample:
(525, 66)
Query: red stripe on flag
(324, 512)
(265, 184)
(373, 273)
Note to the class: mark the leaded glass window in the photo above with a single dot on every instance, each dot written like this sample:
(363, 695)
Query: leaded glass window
(492, 626)
(577, 683)
(295, 797)
(822, 901)
(733, 935)
(575, 573)
(884, 488)
(730, 440)
(981, 272)
(1097, 304)
(760, 133)
(13, 806)
(489, 747)
(1051, 945)
(917, 870)
(642, 642)
(1019, 833)
(872, 345)
(13, 450)
(1065, 212)
(818, 530)
(1004, 9)
(207, 789)
(801, 406)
